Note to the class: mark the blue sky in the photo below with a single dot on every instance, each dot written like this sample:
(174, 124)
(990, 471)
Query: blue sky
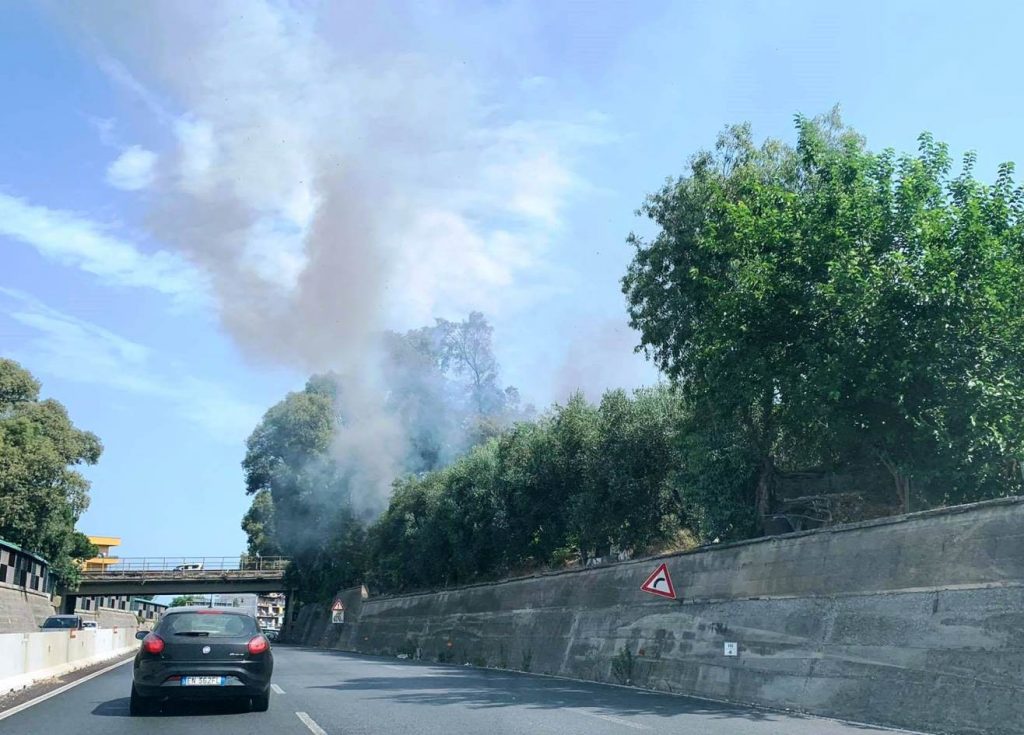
(200, 203)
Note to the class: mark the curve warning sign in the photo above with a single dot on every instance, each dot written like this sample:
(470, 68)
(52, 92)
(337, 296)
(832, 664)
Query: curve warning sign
(660, 583)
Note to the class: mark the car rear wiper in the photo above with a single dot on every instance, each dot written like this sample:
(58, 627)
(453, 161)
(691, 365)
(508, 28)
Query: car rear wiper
(194, 632)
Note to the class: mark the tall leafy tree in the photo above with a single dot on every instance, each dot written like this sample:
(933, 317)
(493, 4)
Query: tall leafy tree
(258, 524)
(632, 496)
(570, 486)
(466, 350)
(824, 304)
(301, 500)
(41, 494)
(441, 389)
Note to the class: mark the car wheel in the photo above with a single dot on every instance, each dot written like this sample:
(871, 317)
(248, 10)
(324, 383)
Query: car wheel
(139, 705)
(261, 703)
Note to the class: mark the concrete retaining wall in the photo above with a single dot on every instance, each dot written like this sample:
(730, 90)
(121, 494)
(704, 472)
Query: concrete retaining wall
(26, 658)
(22, 611)
(915, 621)
(108, 617)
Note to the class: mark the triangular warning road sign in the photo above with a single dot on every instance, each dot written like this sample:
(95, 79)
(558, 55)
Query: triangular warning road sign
(338, 606)
(660, 583)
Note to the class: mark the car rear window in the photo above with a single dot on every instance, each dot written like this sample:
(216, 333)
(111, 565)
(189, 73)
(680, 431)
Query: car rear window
(212, 624)
(61, 623)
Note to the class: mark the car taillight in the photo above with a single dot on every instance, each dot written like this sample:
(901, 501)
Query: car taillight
(259, 644)
(153, 643)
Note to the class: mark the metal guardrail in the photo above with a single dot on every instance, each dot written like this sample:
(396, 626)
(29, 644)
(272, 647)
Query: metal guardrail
(193, 564)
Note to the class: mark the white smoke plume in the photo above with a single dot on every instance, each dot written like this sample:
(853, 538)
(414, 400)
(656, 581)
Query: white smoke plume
(335, 171)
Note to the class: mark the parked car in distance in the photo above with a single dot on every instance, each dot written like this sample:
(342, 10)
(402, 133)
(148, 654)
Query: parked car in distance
(87, 624)
(271, 634)
(202, 653)
(197, 567)
(63, 622)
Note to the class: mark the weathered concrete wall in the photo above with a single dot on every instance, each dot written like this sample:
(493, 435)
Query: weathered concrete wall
(108, 617)
(915, 621)
(26, 658)
(22, 611)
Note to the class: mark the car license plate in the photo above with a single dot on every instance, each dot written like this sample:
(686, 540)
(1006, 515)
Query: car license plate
(202, 681)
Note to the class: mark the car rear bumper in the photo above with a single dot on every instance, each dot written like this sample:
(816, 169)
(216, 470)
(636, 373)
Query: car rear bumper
(164, 680)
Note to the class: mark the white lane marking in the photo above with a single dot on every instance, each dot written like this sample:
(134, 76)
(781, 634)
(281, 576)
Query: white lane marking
(277, 689)
(308, 722)
(43, 697)
(609, 718)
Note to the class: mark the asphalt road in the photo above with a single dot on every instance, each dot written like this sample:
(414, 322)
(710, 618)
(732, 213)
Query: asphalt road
(329, 692)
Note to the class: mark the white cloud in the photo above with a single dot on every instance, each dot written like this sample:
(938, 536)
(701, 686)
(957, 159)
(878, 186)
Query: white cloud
(70, 348)
(134, 169)
(77, 242)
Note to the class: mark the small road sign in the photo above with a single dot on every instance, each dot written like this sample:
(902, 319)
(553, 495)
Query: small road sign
(660, 583)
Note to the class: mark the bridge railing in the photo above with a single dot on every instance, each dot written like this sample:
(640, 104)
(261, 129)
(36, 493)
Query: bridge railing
(194, 564)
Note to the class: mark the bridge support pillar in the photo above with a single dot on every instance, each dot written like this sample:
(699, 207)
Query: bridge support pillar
(290, 600)
(68, 603)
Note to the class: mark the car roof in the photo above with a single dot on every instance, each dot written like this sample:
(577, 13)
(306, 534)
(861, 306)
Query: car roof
(62, 616)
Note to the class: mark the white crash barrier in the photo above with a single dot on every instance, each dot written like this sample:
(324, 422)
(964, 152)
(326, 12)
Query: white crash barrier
(26, 658)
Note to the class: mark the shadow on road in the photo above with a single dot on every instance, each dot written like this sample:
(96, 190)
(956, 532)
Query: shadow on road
(119, 708)
(440, 685)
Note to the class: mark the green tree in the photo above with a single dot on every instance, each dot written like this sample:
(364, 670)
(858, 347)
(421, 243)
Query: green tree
(41, 495)
(302, 504)
(466, 350)
(186, 601)
(825, 305)
(258, 524)
(469, 517)
(407, 549)
(570, 486)
(81, 548)
(441, 391)
(631, 499)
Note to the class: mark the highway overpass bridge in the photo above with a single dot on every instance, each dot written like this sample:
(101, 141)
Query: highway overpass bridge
(184, 575)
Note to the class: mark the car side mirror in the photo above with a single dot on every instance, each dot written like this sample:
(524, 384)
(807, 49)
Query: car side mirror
(140, 634)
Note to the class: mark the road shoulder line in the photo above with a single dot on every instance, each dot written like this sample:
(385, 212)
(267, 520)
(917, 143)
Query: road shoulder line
(60, 690)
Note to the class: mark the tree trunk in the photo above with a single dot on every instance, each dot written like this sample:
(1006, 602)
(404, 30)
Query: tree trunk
(901, 483)
(763, 492)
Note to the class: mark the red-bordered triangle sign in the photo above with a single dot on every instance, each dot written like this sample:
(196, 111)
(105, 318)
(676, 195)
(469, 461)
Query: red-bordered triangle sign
(660, 583)
(338, 606)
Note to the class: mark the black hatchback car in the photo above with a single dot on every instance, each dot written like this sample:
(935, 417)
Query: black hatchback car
(202, 653)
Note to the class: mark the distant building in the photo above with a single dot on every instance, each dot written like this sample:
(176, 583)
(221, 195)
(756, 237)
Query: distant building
(103, 558)
(267, 608)
(244, 602)
(270, 610)
(23, 570)
(109, 602)
(106, 557)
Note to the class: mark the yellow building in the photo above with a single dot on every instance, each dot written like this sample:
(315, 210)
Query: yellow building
(104, 558)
